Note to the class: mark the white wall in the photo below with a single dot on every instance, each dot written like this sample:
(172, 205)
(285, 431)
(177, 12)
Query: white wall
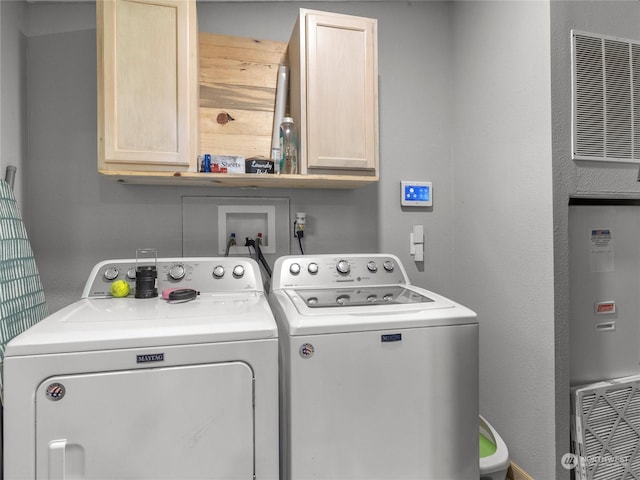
(13, 95)
(503, 230)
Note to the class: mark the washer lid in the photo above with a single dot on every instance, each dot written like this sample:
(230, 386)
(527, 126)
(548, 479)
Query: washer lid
(358, 297)
(320, 311)
(113, 323)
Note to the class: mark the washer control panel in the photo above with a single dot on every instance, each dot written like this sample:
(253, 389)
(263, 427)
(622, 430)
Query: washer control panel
(333, 271)
(204, 274)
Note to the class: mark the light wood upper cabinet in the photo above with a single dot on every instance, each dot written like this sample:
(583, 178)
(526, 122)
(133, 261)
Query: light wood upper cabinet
(152, 123)
(147, 85)
(334, 92)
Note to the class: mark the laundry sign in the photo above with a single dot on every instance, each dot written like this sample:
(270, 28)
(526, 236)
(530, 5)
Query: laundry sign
(601, 250)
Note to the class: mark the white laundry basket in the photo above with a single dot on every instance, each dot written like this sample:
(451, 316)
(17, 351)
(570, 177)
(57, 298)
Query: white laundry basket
(494, 455)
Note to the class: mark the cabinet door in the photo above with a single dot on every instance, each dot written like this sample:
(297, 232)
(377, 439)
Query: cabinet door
(147, 84)
(342, 92)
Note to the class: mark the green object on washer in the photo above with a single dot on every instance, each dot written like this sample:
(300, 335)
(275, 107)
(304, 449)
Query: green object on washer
(487, 447)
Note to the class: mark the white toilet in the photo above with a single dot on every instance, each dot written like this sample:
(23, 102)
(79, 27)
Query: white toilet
(494, 455)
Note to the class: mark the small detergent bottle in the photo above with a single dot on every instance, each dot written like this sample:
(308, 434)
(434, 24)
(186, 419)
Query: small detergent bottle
(288, 146)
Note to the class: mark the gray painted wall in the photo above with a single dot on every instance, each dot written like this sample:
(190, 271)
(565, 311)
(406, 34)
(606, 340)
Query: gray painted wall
(78, 218)
(469, 92)
(612, 17)
(415, 122)
(616, 18)
(13, 94)
(415, 95)
(503, 231)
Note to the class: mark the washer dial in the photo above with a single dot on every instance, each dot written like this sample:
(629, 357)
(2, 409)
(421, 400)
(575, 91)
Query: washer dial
(177, 271)
(111, 273)
(294, 268)
(218, 271)
(343, 267)
(238, 271)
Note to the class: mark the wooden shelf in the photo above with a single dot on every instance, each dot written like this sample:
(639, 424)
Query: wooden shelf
(247, 180)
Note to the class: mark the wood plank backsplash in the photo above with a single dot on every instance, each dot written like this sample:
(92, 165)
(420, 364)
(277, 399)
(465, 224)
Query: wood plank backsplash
(238, 78)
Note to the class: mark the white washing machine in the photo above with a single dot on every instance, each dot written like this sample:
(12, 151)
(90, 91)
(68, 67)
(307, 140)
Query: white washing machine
(133, 388)
(379, 378)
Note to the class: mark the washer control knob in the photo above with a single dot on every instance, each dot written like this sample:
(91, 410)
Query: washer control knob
(343, 267)
(294, 268)
(388, 265)
(238, 271)
(218, 271)
(312, 268)
(177, 271)
(131, 274)
(111, 273)
(372, 267)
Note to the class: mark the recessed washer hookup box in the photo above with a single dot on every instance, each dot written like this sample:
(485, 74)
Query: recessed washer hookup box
(258, 165)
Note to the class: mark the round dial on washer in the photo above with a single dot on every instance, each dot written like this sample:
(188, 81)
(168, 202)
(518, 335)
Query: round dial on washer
(238, 271)
(294, 268)
(343, 266)
(312, 268)
(177, 271)
(218, 271)
(388, 297)
(111, 273)
(131, 274)
(372, 298)
(388, 265)
(372, 267)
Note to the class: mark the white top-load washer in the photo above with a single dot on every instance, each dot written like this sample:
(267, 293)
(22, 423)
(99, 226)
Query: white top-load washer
(379, 378)
(116, 388)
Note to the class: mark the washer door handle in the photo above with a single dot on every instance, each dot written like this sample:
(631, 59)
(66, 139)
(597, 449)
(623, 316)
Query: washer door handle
(57, 453)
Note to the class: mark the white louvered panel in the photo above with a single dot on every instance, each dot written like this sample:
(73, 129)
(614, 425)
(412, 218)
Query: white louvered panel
(635, 89)
(607, 437)
(606, 119)
(588, 97)
(618, 118)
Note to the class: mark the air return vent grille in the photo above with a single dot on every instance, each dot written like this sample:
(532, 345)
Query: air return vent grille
(605, 429)
(606, 98)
